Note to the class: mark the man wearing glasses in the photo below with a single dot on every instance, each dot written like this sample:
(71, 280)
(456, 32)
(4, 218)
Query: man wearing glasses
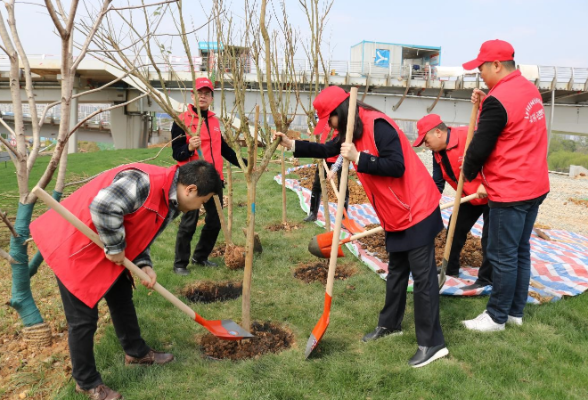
(214, 149)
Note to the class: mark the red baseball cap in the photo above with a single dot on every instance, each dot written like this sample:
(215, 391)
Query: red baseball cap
(325, 103)
(424, 125)
(492, 50)
(202, 83)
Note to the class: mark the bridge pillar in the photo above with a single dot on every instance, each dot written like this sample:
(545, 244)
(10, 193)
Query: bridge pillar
(72, 143)
(128, 130)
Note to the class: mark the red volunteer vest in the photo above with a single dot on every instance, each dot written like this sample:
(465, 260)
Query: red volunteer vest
(78, 263)
(210, 142)
(454, 151)
(324, 137)
(399, 202)
(516, 170)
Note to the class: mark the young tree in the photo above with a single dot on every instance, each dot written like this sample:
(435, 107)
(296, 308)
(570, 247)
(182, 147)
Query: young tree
(64, 22)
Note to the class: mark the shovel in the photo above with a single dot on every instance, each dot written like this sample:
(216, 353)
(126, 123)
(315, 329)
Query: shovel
(458, 192)
(320, 245)
(349, 224)
(225, 329)
(323, 323)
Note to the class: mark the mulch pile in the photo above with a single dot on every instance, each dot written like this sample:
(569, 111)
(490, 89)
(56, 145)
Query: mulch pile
(318, 271)
(356, 193)
(471, 255)
(269, 338)
(209, 292)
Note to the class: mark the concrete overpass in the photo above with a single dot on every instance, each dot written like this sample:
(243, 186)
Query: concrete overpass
(400, 92)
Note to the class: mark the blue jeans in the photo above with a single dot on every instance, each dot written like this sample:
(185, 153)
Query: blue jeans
(509, 252)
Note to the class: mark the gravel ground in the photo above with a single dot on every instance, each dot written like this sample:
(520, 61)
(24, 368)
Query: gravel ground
(557, 211)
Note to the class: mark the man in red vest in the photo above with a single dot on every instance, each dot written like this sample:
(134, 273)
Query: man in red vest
(509, 149)
(205, 134)
(447, 145)
(128, 207)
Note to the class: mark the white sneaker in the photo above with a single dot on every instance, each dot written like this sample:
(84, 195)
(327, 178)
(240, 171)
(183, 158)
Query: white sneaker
(483, 323)
(514, 320)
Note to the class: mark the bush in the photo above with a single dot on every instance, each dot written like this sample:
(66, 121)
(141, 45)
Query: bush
(561, 160)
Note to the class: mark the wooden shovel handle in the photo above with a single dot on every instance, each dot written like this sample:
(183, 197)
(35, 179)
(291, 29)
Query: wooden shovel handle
(93, 236)
(342, 188)
(458, 192)
(221, 216)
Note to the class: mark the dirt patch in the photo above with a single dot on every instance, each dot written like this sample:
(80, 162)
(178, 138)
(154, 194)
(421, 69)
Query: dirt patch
(287, 226)
(269, 338)
(210, 292)
(27, 371)
(318, 271)
(234, 257)
(579, 202)
(356, 193)
(471, 255)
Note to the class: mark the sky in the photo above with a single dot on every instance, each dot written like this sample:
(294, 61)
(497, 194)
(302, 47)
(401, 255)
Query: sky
(547, 33)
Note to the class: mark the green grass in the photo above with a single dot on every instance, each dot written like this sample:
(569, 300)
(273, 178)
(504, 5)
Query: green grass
(544, 359)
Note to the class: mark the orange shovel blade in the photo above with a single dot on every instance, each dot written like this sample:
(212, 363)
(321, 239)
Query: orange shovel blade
(351, 225)
(320, 246)
(226, 329)
(320, 327)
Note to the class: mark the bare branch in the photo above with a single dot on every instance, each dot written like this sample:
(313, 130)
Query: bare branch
(8, 223)
(7, 256)
(90, 35)
(55, 18)
(143, 5)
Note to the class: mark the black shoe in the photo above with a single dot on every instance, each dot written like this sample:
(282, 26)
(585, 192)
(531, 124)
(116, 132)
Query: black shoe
(425, 355)
(311, 217)
(181, 271)
(378, 333)
(204, 263)
(473, 286)
(447, 274)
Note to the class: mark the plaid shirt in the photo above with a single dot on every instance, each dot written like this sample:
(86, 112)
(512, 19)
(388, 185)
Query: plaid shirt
(125, 195)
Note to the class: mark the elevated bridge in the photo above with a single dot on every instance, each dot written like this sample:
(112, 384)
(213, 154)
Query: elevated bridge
(401, 91)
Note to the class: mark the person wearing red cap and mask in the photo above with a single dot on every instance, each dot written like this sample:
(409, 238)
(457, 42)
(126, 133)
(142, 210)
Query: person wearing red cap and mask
(406, 201)
(447, 145)
(214, 149)
(315, 197)
(509, 150)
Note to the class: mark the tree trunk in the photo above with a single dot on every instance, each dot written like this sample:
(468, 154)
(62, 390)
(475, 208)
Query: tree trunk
(22, 298)
(230, 197)
(284, 216)
(248, 273)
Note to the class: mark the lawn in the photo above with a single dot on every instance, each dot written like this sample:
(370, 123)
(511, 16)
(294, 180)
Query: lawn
(543, 359)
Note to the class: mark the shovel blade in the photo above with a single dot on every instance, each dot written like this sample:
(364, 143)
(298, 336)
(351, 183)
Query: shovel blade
(320, 246)
(351, 225)
(320, 327)
(442, 274)
(225, 329)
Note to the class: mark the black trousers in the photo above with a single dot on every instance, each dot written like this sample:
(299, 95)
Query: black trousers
(208, 236)
(317, 190)
(421, 262)
(82, 323)
(467, 217)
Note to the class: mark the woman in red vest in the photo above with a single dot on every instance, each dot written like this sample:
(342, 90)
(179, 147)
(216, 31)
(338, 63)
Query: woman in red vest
(406, 201)
(128, 207)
